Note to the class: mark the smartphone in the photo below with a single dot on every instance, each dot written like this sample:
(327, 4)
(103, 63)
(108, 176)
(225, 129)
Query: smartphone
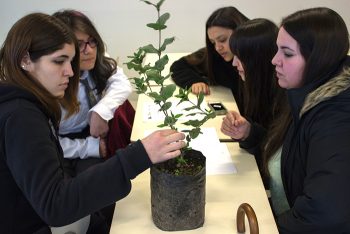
(218, 107)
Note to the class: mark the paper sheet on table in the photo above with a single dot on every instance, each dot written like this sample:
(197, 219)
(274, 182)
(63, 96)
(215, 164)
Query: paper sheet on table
(151, 111)
(218, 158)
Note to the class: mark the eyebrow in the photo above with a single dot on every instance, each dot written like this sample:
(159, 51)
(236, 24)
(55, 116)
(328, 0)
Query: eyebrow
(286, 47)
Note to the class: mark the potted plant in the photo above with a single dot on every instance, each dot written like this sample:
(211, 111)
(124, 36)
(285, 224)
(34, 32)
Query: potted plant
(178, 185)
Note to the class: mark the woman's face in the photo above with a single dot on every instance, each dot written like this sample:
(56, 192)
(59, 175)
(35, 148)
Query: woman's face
(88, 50)
(220, 38)
(52, 71)
(236, 62)
(288, 60)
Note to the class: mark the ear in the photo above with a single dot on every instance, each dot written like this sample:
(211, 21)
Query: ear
(26, 63)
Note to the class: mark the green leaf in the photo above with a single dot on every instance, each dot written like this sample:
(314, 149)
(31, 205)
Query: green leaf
(194, 133)
(149, 49)
(193, 123)
(160, 63)
(166, 106)
(190, 108)
(166, 42)
(169, 121)
(200, 99)
(156, 26)
(159, 4)
(154, 75)
(148, 2)
(162, 125)
(163, 19)
(168, 91)
(212, 115)
(155, 96)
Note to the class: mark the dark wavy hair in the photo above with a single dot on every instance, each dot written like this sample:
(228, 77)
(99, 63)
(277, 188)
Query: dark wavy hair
(105, 66)
(36, 35)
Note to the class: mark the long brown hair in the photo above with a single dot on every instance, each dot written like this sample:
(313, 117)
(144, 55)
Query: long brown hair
(105, 66)
(36, 35)
(225, 17)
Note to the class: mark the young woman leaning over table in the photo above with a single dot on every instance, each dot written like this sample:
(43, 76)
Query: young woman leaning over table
(254, 45)
(212, 65)
(39, 71)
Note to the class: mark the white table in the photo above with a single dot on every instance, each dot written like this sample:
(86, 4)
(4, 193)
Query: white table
(224, 194)
(218, 94)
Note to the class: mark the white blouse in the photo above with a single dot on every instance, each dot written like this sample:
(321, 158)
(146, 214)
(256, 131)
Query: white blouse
(116, 92)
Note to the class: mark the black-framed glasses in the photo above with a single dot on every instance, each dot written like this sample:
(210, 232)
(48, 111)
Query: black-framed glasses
(91, 42)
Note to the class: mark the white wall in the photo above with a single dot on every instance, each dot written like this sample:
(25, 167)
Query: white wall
(122, 22)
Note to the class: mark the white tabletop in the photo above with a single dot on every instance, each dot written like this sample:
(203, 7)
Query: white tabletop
(218, 94)
(224, 194)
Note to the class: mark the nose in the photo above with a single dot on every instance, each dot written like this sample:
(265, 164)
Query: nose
(87, 49)
(275, 60)
(68, 71)
(234, 61)
(218, 46)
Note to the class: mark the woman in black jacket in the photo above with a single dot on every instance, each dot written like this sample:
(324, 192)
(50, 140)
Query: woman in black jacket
(39, 68)
(313, 164)
(254, 45)
(212, 65)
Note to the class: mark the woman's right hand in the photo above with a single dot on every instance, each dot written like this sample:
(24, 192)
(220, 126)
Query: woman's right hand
(200, 87)
(163, 145)
(235, 126)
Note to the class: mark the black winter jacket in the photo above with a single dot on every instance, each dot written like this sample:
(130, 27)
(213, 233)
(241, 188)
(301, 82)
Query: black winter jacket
(315, 159)
(185, 75)
(36, 192)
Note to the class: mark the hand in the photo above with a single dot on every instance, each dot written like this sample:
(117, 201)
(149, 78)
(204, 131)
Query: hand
(235, 126)
(200, 87)
(103, 148)
(163, 145)
(98, 126)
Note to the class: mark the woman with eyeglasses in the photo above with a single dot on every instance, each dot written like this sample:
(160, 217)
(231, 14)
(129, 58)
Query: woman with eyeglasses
(102, 90)
(95, 132)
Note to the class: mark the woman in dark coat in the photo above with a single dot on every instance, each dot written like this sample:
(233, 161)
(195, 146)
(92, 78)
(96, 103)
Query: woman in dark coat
(212, 65)
(313, 165)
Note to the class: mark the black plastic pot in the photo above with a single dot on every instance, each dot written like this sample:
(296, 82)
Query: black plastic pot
(178, 201)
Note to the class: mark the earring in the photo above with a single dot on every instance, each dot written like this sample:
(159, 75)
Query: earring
(23, 66)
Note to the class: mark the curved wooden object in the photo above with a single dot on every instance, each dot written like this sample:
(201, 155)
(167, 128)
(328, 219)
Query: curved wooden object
(246, 209)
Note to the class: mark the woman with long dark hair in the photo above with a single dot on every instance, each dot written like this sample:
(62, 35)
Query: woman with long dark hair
(212, 65)
(313, 163)
(253, 46)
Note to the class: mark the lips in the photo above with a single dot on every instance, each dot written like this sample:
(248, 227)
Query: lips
(64, 85)
(87, 60)
(279, 74)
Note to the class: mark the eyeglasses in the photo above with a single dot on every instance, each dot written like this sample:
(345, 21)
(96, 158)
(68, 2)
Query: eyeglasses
(91, 42)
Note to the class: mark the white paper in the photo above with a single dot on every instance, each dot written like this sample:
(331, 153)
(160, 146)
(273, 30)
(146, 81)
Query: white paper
(151, 111)
(218, 158)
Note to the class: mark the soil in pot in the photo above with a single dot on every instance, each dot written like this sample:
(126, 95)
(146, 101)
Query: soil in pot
(178, 200)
